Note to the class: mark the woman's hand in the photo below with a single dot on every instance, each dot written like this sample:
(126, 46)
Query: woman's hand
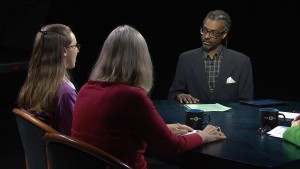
(296, 121)
(211, 133)
(179, 129)
(297, 118)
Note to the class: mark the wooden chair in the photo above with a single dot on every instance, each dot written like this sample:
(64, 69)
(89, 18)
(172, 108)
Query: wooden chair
(66, 152)
(32, 131)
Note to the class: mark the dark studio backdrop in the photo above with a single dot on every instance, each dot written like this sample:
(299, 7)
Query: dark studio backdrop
(266, 31)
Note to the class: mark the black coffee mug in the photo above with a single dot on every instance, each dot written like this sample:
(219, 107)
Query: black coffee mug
(195, 118)
(269, 117)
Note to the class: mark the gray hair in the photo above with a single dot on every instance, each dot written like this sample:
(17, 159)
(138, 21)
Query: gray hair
(220, 15)
(125, 58)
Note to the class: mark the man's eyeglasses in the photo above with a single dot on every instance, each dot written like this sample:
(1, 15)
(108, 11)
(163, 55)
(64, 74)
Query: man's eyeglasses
(72, 46)
(212, 34)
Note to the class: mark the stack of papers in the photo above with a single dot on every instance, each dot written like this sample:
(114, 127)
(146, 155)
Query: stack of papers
(288, 115)
(207, 107)
(278, 131)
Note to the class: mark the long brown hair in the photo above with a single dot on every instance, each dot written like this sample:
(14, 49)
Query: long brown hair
(46, 69)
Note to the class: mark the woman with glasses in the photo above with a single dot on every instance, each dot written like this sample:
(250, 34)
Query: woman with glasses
(213, 72)
(48, 92)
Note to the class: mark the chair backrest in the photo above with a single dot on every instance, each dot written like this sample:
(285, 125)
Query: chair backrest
(67, 152)
(32, 131)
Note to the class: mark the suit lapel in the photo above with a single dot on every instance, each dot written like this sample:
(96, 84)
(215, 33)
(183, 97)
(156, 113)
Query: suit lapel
(199, 71)
(225, 71)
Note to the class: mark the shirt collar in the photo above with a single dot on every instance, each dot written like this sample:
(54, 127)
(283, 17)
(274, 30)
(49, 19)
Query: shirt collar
(65, 79)
(217, 55)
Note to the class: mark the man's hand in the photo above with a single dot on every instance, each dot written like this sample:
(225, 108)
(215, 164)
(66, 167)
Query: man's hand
(186, 98)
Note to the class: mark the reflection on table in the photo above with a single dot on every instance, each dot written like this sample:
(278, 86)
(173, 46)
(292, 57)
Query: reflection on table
(244, 148)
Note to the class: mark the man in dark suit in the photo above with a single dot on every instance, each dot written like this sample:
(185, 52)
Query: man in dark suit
(213, 72)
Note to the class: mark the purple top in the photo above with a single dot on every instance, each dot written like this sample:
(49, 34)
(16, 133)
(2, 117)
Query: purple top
(66, 97)
(62, 119)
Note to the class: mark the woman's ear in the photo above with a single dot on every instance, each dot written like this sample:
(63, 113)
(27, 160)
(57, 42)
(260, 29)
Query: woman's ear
(65, 52)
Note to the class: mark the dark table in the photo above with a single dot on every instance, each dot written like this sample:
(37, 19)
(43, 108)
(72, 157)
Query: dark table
(243, 148)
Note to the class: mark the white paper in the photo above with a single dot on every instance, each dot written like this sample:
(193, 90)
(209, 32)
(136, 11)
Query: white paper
(278, 131)
(191, 132)
(288, 115)
(208, 107)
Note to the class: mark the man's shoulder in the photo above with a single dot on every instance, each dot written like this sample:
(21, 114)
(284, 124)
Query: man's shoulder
(234, 53)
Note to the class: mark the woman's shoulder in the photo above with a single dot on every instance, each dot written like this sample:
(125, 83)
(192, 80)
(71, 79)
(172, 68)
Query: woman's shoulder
(113, 87)
(66, 87)
(124, 88)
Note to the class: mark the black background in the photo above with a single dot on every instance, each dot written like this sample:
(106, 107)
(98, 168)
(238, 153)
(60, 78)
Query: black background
(266, 31)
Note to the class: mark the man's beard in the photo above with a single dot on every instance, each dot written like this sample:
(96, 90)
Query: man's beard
(206, 48)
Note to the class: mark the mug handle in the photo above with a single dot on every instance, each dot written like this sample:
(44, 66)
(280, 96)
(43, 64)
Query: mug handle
(283, 118)
(207, 120)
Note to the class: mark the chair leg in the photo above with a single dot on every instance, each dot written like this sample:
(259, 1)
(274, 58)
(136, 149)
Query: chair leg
(26, 162)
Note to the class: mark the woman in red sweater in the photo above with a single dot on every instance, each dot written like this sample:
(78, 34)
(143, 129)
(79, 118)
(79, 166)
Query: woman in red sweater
(113, 111)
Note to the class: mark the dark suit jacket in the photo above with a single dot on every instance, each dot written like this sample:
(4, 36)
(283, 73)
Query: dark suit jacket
(191, 78)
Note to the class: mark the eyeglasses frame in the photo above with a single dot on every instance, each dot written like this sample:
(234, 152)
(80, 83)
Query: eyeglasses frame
(203, 31)
(77, 46)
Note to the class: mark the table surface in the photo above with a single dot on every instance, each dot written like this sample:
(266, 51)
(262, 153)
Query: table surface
(243, 145)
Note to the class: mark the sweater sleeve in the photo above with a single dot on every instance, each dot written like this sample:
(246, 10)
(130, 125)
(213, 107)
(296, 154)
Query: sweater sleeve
(157, 134)
(292, 135)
